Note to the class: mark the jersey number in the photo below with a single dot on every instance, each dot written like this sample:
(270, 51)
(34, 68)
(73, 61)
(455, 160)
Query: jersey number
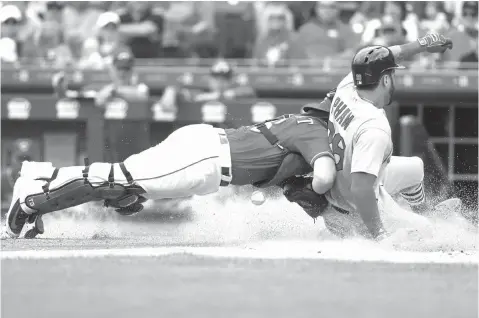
(282, 119)
(271, 122)
(337, 146)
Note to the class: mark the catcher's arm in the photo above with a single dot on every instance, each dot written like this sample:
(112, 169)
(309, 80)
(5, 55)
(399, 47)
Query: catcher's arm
(299, 189)
(308, 192)
(323, 175)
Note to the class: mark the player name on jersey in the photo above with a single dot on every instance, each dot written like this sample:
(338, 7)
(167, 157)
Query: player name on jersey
(341, 113)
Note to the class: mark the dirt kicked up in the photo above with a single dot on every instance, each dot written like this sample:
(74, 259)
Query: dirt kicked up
(230, 258)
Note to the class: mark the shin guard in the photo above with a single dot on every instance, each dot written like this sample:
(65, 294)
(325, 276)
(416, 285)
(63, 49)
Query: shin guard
(72, 186)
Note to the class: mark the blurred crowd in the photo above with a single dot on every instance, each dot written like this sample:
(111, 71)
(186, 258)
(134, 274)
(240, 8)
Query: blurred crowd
(85, 34)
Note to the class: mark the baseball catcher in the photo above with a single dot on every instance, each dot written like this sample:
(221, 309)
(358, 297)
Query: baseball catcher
(193, 160)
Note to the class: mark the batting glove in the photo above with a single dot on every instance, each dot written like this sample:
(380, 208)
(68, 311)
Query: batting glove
(435, 43)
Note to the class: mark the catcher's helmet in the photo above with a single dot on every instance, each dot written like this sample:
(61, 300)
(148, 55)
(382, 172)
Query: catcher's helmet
(370, 63)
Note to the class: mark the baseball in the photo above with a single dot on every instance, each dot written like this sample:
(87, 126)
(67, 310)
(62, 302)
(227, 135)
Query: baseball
(258, 198)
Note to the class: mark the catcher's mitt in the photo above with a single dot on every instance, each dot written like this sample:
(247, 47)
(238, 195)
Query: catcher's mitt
(299, 190)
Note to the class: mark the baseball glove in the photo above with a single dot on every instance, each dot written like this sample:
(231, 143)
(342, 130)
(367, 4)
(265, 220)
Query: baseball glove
(300, 191)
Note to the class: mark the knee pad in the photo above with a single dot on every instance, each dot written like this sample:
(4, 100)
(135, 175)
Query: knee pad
(72, 186)
(414, 194)
(417, 165)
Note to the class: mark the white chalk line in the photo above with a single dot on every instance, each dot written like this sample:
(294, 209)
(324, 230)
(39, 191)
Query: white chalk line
(470, 258)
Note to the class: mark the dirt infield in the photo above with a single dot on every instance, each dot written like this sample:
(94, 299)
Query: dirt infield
(239, 260)
(190, 286)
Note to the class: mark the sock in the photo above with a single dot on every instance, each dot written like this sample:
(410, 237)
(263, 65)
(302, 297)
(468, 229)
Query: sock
(416, 197)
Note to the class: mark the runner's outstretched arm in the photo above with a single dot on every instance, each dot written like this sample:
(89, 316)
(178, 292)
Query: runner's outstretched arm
(432, 43)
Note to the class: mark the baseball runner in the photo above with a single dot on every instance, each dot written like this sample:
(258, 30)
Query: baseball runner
(193, 160)
(360, 140)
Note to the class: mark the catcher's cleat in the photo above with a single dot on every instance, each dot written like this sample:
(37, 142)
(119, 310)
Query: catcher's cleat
(19, 212)
(15, 221)
(34, 226)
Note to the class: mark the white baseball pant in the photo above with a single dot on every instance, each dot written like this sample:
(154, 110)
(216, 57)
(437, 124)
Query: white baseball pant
(193, 160)
(401, 174)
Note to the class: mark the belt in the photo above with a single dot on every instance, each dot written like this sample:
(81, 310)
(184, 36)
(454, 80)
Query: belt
(225, 158)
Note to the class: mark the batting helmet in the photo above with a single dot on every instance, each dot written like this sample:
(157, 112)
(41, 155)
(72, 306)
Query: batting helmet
(370, 63)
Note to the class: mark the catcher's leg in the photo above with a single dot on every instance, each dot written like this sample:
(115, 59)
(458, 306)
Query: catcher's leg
(194, 160)
(42, 189)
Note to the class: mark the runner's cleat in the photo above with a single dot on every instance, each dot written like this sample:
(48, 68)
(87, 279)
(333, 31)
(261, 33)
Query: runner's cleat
(34, 226)
(447, 207)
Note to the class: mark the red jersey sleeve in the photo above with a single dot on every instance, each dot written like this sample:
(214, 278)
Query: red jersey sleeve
(311, 141)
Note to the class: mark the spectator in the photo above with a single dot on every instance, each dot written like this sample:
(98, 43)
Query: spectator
(116, 6)
(275, 36)
(325, 36)
(469, 59)
(50, 14)
(235, 23)
(50, 46)
(222, 85)
(33, 13)
(368, 10)
(434, 18)
(97, 51)
(430, 17)
(392, 26)
(10, 46)
(123, 137)
(454, 9)
(464, 35)
(388, 34)
(79, 18)
(142, 29)
(301, 11)
(189, 30)
(84, 54)
(54, 12)
(108, 33)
